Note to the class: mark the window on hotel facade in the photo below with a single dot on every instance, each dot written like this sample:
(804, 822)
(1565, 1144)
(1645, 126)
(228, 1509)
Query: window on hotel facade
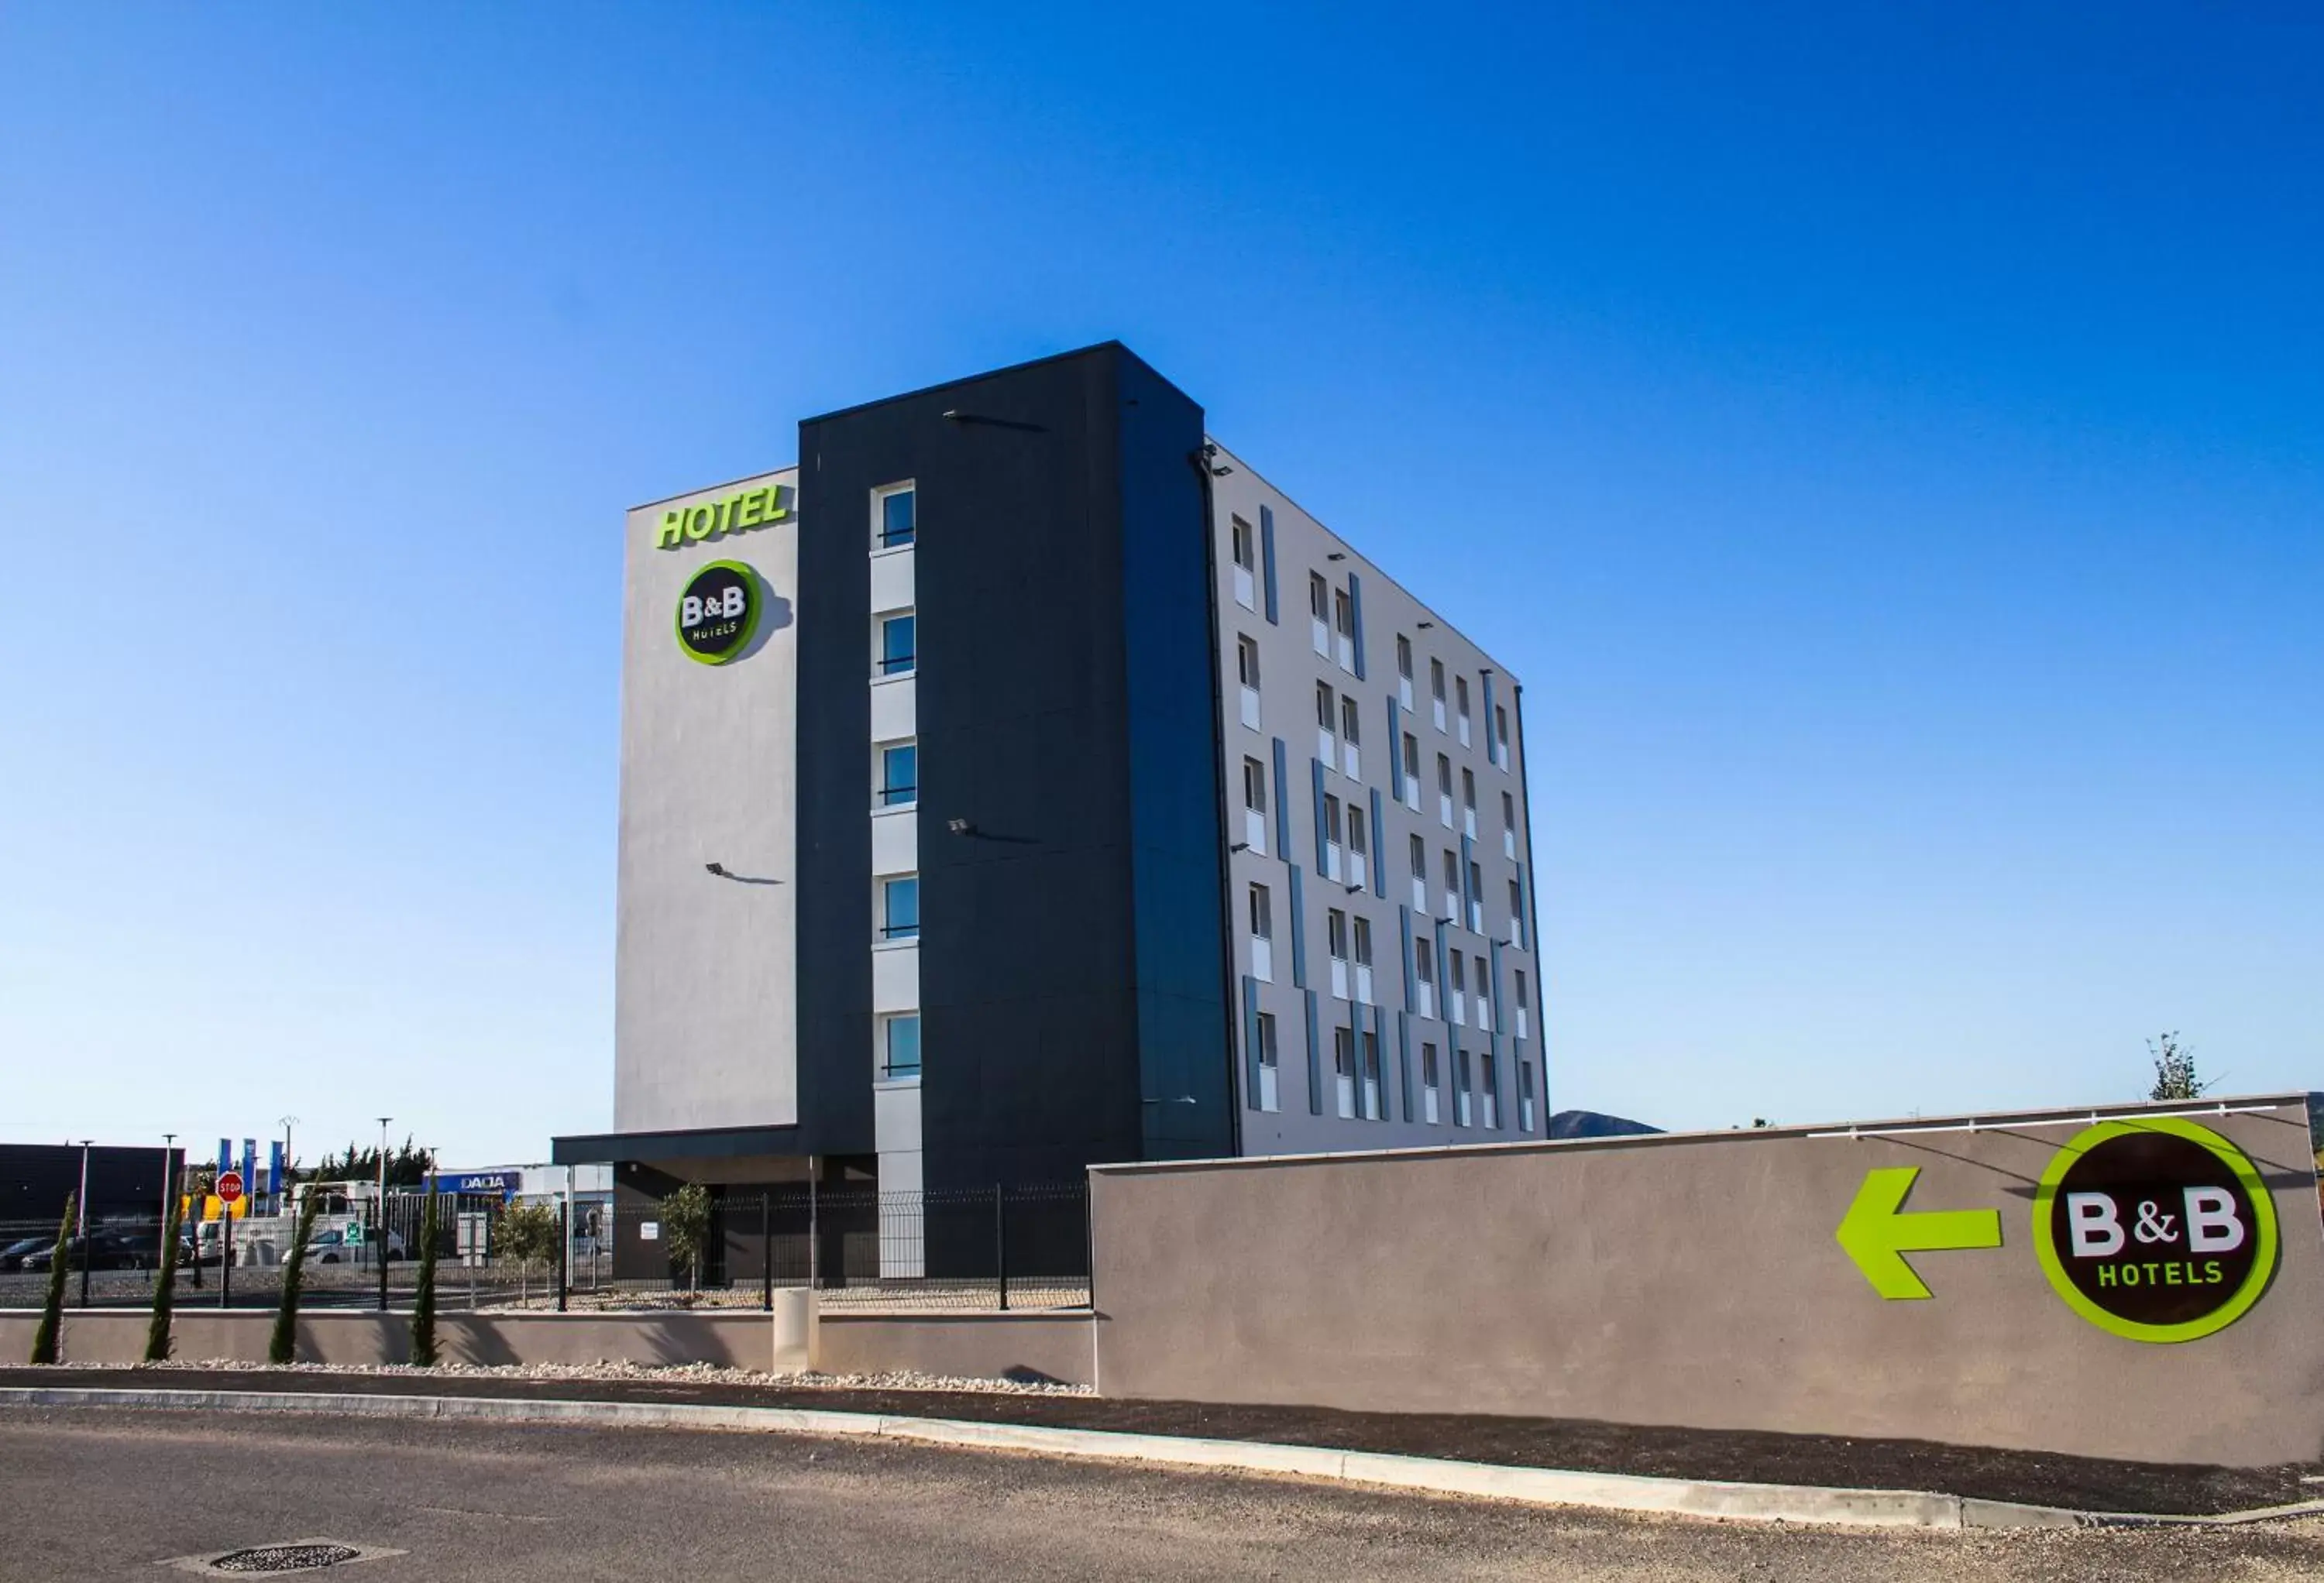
(1343, 614)
(896, 647)
(1403, 657)
(1356, 830)
(1319, 597)
(1246, 662)
(1517, 915)
(1436, 680)
(900, 907)
(1332, 821)
(1326, 710)
(1262, 914)
(1254, 786)
(1363, 941)
(895, 515)
(900, 1045)
(1349, 733)
(900, 775)
(1245, 555)
(1419, 858)
(1461, 696)
(1335, 931)
(1501, 733)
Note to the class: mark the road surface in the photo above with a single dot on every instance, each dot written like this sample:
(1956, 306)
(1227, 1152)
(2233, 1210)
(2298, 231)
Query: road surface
(97, 1493)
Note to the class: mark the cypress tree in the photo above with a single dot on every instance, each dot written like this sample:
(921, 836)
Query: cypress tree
(157, 1334)
(283, 1346)
(423, 1302)
(52, 1311)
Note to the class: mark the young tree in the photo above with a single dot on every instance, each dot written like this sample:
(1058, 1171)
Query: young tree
(2174, 1070)
(686, 1225)
(528, 1235)
(157, 1333)
(52, 1311)
(283, 1346)
(423, 1302)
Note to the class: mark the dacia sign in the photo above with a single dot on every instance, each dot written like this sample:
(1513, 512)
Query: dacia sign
(737, 513)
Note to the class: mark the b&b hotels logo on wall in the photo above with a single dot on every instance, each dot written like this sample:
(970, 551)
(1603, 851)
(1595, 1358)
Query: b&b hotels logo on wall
(719, 611)
(2152, 1227)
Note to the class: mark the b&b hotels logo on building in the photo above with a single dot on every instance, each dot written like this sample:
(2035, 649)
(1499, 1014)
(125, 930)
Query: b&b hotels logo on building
(2151, 1227)
(737, 513)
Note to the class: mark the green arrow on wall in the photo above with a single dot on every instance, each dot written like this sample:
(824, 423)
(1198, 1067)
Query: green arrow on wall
(1876, 1232)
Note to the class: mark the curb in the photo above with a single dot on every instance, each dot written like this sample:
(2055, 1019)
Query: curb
(1620, 1492)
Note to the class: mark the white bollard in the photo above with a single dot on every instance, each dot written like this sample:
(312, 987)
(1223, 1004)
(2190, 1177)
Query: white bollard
(796, 1341)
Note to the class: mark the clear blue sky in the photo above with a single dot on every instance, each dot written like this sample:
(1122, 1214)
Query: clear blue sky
(1889, 441)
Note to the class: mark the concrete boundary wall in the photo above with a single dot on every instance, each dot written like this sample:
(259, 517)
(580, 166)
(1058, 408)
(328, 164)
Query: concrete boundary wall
(971, 1345)
(1695, 1281)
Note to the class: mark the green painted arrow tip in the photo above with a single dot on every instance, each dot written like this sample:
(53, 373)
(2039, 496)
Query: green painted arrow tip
(1876, 1233)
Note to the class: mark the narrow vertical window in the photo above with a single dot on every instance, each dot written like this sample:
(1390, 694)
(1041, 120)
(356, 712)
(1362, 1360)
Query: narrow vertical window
(895, 516)
(897, 650)
(1403, 657)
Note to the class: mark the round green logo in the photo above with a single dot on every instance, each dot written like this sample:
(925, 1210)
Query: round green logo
(718, 612)
(2156, 1229)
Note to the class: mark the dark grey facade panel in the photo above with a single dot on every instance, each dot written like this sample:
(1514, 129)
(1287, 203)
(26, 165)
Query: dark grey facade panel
(1298, 927)
(1315, 1058)
(1071, 950)
(1356, 620)
(1266, 560)
(1379, 848)
(1282, 808)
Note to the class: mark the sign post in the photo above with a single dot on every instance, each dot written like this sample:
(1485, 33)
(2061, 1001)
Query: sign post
(229, 1189)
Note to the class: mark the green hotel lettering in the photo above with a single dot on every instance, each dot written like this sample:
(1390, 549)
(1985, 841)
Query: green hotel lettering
(2172, 1274)
(752, 508)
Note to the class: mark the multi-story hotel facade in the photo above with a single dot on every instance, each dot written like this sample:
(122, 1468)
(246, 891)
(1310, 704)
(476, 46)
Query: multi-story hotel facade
(1020, 781)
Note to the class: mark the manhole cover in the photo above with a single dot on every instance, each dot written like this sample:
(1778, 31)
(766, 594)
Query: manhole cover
(291, 1555)
(285, 1558)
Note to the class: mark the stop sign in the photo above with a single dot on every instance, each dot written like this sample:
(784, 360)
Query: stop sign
(229, 1186)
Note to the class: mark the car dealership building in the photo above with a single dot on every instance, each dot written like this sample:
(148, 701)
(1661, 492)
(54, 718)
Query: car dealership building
(1148, 821)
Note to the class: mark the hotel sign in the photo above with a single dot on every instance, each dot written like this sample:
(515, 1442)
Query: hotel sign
(737, 513)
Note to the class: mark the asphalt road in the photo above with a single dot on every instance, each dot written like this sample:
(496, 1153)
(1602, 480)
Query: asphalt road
(94, 1493)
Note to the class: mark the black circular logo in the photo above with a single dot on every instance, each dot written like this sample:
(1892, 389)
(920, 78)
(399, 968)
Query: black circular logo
(718, 612)
(2158, 1230)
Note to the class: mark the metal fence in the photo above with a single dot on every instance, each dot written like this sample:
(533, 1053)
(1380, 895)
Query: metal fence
(964, 1249)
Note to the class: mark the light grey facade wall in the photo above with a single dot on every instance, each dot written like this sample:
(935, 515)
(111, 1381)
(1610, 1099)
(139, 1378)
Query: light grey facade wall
(1302, 1120)
(705, 1030)
(1695, 1282)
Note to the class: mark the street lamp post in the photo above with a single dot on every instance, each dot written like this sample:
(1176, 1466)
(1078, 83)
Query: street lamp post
(282, 1188)
(381, 1220)
(162, 1245)
(81, 1227)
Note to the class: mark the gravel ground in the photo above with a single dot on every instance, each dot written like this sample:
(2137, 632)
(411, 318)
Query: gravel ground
(2087, 1483)
(679, 1374)
(92, 1493)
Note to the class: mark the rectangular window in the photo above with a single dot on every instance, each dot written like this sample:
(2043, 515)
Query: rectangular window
(1356, 829)
(1412, 762)
(1459, 974)
(1423, 961)
(1343, 1068)
(1403, 657)
(1476, 899)
(1262, 914)
(1444, 776)
(1372, 1106)
(1332, 821)
(1525, 1095)
(1509, 811)
(1516, 914)
(1319, 604)
(1436, 680)
(895, 516)
(1429, 1075)
(1254, 786)
(1489, 1086)
(1347, 725)
(1269, 1060)
(1469, 789)
(1335, 931)
(1419, 858)
(900, 907)
(1343, 616)
(1461, 696)
(900, 1045)
(1326, 713)
(900, 775)
(1452, 883)
(1246, 553)
(1363, 942)
(1522, 1002)
(1246, 662)
(1501, 733)
(896, 647)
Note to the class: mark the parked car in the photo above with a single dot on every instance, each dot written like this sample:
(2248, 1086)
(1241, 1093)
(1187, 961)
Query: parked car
(12, 1257)
(107, 1250)
(331, 1247)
